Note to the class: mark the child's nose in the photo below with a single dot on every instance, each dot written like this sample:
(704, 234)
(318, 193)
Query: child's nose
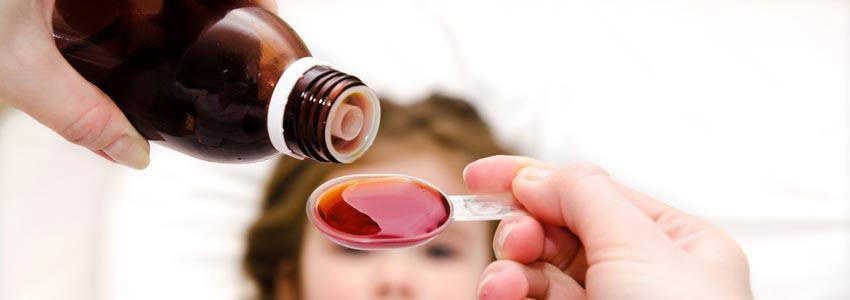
(394, 277)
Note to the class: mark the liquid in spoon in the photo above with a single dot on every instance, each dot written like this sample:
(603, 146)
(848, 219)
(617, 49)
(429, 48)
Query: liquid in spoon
(391, 211)
(381, 212)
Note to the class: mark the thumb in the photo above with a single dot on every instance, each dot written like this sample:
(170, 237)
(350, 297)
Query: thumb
(509, 280)
(587, 201)
(42, 84)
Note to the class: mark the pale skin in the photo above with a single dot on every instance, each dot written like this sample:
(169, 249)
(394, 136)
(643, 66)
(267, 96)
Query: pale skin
(447, 267)
(589, 237)
(38, 81)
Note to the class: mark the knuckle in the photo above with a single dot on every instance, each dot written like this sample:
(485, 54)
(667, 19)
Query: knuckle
(672, 216)
(579, 171)
(87, 129)
(734, 250)
(679, 225)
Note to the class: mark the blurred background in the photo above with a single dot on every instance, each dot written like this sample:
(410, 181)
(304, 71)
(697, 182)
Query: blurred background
(735, 111)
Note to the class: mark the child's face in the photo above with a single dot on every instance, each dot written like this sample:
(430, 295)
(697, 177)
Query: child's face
(447, 267)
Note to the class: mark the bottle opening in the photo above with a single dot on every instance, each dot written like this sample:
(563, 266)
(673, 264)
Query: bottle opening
(326, 115)
(347, 122)
(353, 123)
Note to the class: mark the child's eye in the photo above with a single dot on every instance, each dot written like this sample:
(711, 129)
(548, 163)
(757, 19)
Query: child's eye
(440, 252)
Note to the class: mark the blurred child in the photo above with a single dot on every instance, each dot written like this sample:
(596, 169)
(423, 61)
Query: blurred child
(434, 139)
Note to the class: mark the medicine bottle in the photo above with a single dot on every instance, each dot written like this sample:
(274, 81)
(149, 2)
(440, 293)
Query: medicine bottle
(220, 80)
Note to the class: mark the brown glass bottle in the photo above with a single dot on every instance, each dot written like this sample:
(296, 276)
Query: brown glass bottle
(221, 80)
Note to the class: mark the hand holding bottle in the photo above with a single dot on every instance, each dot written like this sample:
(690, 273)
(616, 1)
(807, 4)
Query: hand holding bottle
(39, 81)
(588, 236)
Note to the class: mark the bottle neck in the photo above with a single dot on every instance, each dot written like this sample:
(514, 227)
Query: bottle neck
(328, 115)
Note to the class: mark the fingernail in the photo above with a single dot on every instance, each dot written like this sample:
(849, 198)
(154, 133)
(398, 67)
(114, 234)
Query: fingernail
(464, 171)
(130, 150)
(483, 292)
(503, 235)
(534, 173)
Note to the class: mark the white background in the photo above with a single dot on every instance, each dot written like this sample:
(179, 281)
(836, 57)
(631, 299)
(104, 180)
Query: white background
(736, 111)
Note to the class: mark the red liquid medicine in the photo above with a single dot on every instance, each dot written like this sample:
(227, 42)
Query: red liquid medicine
(380, 212)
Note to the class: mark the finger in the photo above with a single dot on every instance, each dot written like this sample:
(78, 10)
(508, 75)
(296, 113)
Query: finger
(689, 233)
(653, 208)
(694, 235)
(587, 201)
(525, 240)
(560, 246)
(102, 154)
(519, 239)
(577, 270)
(507, 279)
(49, 90)
(676, 224)
(270, 5)
(495, 174)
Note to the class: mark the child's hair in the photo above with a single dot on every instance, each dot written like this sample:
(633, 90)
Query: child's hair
(274, 240)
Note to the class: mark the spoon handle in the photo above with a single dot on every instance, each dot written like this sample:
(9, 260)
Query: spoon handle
(484, 207)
